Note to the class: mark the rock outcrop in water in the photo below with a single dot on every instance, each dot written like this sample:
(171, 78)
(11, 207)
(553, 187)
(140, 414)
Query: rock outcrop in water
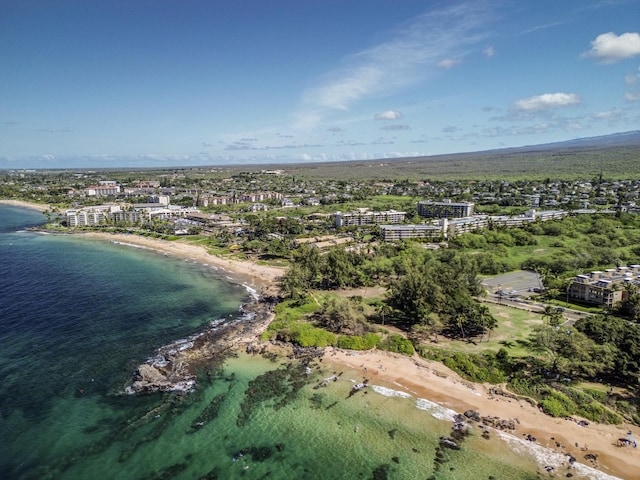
(173, 368)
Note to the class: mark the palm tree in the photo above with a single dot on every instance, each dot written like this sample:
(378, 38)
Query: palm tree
(487, 320)
(382, 308)
(460, 319)
(548, 312)
(566, 284)
(553, 315)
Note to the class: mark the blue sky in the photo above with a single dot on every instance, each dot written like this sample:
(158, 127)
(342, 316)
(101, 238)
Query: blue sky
(166, 82)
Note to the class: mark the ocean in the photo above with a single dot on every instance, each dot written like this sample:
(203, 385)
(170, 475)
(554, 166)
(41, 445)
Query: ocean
(77, 316)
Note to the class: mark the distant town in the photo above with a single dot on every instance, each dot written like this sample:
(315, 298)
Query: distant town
(246, 210)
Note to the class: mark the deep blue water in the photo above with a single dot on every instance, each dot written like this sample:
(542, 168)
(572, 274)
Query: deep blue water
(76, 318)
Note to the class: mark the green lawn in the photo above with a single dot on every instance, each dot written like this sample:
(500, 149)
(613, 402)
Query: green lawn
(514, 327)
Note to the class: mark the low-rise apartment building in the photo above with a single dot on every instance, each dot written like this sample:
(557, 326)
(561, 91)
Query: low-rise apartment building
(364, 216)
(394, 233)
(604, 287)
(103, 190)
(88, 216)
(452, 227)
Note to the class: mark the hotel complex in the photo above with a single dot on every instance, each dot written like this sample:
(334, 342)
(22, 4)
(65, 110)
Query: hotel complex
(604, 288)
(451, 227)
(446, 209)
(365, 216)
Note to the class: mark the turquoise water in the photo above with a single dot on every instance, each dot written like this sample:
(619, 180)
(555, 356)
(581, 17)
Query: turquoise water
(78, 316)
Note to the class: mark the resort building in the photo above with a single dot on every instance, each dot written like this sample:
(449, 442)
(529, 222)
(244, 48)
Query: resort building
(105, 188)
(457, 226)
(88, 216)
(364, 216)
(446, 209)
(604, 288)
(206, 199)
(528, 217)
(210, 200)
(394, 233)
(102, 214)
(452, 227)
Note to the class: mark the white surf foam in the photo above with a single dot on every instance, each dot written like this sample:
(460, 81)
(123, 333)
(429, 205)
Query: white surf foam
(436, 411)
(389, 392)
(547, 457)
(132, 245)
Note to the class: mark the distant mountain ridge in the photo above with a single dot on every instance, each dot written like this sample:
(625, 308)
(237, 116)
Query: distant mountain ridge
(613, 139)
(623, 140)
(616, 155)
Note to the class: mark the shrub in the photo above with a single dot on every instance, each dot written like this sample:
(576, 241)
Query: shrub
(358, 342)
(397, 343)
(474, 368)
(309, 336)
(528, 386)
(598, 395)
(596, 412)
(557, 404)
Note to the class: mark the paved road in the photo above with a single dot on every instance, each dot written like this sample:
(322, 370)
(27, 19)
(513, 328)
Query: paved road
(516, 284)
(571, 316)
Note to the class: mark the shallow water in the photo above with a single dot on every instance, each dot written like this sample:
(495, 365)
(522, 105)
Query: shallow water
(76, 318)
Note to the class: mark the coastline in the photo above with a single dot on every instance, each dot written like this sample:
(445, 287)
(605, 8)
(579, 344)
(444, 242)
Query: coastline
(424, 379)
(258, 277)
(435, 382)
(173, 367)
(41, 207)
(416, 376)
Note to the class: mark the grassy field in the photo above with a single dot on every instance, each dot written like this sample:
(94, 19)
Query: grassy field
(514, 327)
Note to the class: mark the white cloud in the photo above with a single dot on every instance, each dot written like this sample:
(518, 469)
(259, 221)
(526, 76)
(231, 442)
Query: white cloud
(610, 48)
(354, 85)
(389, 115)
(448, 63)
(395, 127)
(542, 27)
(604, 115)
(411, 55)
(489, 51)
(546, 101)
(630, 80)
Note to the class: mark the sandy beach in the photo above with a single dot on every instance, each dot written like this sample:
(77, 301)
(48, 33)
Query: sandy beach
(435, 382)
(41, 207)
(250, 273)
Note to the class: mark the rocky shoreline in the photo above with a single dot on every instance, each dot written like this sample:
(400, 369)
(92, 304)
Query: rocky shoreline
(174, 367)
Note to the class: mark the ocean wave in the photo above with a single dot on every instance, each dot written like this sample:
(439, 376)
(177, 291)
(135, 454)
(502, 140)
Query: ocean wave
(388, 392)
(547, 457)
(436, 410)
(127, 244)
(252, 292)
